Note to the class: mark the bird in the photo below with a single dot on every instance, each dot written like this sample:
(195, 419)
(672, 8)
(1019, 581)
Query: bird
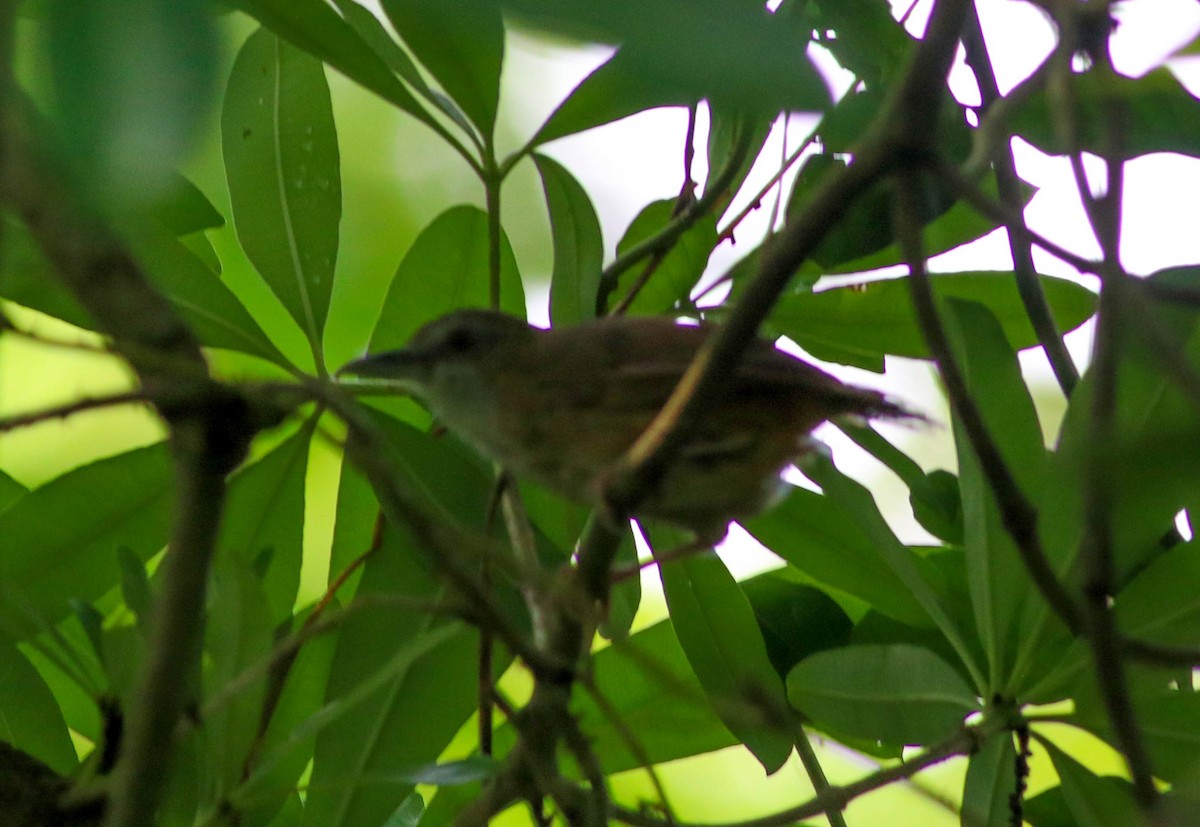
(562, 406)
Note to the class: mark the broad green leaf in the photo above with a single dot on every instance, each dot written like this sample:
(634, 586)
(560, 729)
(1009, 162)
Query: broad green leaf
(1093, 801)
(859, 325)
(895, 694)
(30, 719)
(317, 29)
(200, 297)
(817, 537)
(285, 754)
(1169, 721)
(920, 577)
(650, 684)
(729, 52)
(60, 541)
(1162, 604)
(720, 636)
(999, 582)
(264, 521)
(28, 279)
(1155, 453)
(617, 89)
(238, 633)
(214, 314)
(864, 37)
(132, 80)
(461, 43)
(991, 783)
(135, 585)
(446, 269)
(674, 278)
(402, 684)
(795, 619)
(282, 164)
(184, 209)
(10, 491)
(578, 244)
(1157, 114)
(727, 128)
(371, 30)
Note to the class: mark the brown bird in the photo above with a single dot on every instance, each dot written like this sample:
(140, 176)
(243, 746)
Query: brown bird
(561, 406)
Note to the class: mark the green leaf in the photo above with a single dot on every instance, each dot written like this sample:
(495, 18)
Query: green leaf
(317, 29)
(200, 297)
(729, 52)
(651, 686)
(1162, 604)
(264, 514)
(446, 269)
(920, 578)
(864, 37)
(727, 126)
(617, 89)
(1169, 721)
(135, 585)
(237, 634)
(796, 620)
(371, 30)
(132, 80)
(999, 582)
(461, 43)
(718, 632)
(859, 325)
(10, 491)
(282, 164)
(578, 244)
(1157, 115)
(991, 783)
(401, 685)
(1093, 801)
(286, 751)
(814, 534)
(674, 278)
(184, 209)
(61, 540)
(28, 279)
(895, 694)
(30, 719)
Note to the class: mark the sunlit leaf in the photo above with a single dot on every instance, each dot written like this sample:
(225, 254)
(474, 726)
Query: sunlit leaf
(282, 164)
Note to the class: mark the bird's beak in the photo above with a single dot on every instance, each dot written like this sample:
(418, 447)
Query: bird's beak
(400, 367)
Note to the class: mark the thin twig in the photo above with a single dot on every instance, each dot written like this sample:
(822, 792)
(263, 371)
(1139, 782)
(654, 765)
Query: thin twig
(1017, 512)
(11, 423)
(965, 741)
(1028, 285)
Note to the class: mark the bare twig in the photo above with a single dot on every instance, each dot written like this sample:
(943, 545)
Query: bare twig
(1017, 512)
(1028, 285)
